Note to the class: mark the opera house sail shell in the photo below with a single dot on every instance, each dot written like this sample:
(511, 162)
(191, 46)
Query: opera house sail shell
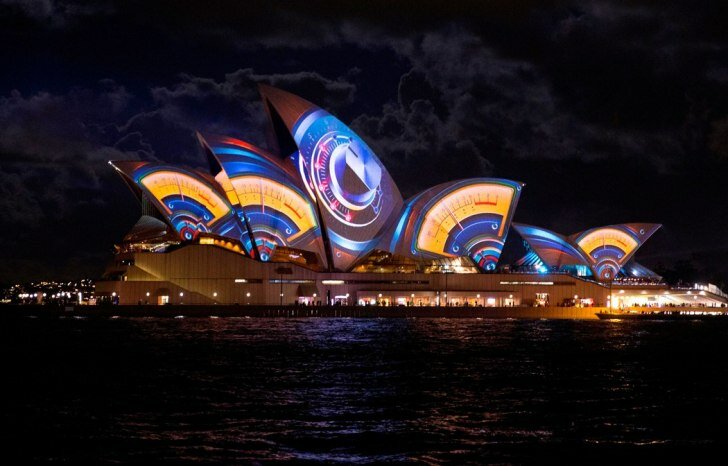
(554, 250)
(189, 202)
(461, 218)
(606, 251)
(270, 201)
(355, 195)
(609, 248)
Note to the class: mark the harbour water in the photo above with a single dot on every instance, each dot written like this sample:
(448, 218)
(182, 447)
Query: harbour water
(239, 391)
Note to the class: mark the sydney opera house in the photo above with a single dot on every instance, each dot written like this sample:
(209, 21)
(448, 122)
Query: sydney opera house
(321, 221)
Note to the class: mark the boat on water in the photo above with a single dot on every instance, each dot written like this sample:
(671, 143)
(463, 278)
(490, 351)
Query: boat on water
(662, 314)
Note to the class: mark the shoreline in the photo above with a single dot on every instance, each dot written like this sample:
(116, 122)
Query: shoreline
(171, 311)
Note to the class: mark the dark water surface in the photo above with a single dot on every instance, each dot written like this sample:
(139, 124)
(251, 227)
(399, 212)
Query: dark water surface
(236, 391)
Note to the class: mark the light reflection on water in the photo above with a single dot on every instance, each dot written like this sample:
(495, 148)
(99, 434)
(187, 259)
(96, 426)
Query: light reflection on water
(233, 390)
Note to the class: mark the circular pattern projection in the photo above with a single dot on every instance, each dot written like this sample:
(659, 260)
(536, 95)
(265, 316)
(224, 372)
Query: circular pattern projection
(356, 196)
(343, 172)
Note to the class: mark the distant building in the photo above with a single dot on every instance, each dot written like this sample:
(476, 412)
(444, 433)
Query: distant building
(322, 221)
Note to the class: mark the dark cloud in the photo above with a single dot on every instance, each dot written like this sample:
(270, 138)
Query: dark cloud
(57, 13)
(55, 183)
(54, 145)
(462, 108)
(718, 139)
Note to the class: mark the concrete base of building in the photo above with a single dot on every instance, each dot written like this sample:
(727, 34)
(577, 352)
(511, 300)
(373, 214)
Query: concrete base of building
(206, 311)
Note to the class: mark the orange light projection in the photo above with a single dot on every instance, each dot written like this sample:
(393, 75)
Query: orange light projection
(448, 216)
(607, 237)
(163, 184)
(268, 194)
(227, 186)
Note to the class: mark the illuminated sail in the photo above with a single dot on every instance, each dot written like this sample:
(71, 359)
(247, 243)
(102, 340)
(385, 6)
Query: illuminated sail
(356, 196)
(609, 248)
(463, 218)
(189, 203)
(277, 211)
(553, 249)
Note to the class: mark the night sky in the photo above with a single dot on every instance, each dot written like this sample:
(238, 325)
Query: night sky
(610, 112)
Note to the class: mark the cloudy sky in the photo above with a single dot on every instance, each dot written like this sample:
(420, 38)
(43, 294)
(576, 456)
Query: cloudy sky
(608, 111)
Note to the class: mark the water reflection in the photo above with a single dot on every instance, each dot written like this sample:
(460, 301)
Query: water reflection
(233, 390)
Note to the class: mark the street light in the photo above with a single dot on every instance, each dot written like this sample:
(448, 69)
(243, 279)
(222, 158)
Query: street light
(283, 271)
(446, 271)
